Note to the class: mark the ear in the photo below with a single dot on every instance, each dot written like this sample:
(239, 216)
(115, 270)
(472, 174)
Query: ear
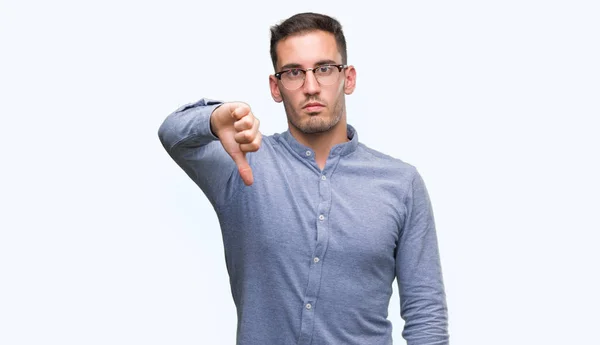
(274, 86)
(350, 80)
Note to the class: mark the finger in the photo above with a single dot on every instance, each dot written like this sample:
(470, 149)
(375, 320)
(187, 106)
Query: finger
(249, 135)
(253, 146)
(244, 168)
(245, 137)
(240, 111)
(244, 123)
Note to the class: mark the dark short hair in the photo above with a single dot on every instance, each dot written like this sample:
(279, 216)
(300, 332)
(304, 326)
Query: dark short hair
(306, 22)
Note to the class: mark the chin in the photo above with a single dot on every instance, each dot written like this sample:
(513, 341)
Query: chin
(315, 125)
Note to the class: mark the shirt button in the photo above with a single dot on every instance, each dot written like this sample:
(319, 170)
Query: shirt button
(308, 306)
(316, 260)
(308, 153)
(323, 177)
(321, 217)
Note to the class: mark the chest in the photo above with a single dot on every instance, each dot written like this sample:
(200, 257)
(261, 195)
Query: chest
(299, 211)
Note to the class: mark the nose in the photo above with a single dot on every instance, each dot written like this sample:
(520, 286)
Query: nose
(311, 85)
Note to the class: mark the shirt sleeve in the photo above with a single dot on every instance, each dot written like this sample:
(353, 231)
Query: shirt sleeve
(186, 136)
(418, 270)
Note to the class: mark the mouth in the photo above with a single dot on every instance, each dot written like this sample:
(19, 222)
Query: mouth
(313, 107)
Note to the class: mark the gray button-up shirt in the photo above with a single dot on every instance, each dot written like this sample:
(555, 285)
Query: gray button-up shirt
(312, 254)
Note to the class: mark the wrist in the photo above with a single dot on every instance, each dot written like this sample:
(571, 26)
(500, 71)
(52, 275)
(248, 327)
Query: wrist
(214, 128)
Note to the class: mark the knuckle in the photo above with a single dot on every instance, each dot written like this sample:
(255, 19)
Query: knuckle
(256, 144)
(250, 147)
(241, 124)
(240, 110)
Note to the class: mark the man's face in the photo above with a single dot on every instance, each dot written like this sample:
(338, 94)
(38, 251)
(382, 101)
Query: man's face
(312, 108)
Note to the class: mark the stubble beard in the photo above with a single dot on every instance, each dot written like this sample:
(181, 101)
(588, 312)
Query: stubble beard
(316, 123)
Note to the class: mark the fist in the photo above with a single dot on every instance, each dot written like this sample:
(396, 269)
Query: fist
(237, 129)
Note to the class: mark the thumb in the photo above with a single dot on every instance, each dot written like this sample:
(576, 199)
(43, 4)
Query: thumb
(243, 167)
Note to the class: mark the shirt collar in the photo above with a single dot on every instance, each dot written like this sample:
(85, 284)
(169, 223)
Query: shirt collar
(341, 149)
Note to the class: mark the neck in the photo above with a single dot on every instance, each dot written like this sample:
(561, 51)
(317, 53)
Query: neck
(321, 143)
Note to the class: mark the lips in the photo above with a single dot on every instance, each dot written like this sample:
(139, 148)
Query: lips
(313, 106)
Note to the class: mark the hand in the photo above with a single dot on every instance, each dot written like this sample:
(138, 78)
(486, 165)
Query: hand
(237, 129)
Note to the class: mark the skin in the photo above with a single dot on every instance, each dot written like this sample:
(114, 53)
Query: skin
(321, 129)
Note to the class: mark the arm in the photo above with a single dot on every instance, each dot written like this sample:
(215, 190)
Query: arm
(208, 140)
(419, 274)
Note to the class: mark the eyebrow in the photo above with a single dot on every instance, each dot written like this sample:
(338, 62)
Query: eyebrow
(297, 65)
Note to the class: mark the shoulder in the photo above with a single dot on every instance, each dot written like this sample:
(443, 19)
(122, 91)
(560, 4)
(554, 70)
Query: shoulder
(384, 163)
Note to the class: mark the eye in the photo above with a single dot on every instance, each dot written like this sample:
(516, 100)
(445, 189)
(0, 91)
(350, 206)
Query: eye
(324, 69)
(294, 72)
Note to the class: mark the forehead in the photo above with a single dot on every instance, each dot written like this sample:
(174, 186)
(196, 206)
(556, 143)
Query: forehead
(306, 49)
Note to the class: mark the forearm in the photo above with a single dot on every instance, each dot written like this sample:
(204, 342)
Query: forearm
(188, 126)
(187, 137)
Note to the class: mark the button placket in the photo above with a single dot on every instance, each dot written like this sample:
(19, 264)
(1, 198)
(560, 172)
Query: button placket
(311, 295)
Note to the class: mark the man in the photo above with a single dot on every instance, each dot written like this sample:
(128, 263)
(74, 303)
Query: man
(315, 225)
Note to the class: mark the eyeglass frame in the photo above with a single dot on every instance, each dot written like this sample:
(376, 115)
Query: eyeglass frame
(305, 71)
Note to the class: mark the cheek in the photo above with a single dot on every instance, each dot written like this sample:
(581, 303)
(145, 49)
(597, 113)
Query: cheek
(285, 98)
(292, 99)
(337, 95)
(342, 87)
(288, 103)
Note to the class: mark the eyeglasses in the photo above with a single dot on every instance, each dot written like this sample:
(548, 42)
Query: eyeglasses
(293, 78)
